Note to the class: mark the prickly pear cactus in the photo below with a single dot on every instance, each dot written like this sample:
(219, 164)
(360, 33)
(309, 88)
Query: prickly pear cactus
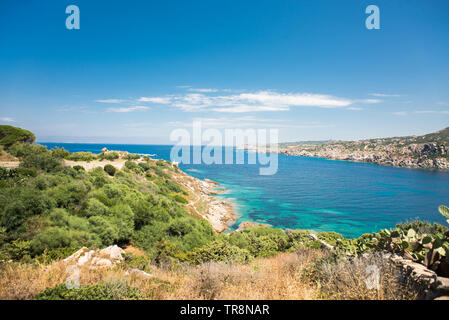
(444, 211)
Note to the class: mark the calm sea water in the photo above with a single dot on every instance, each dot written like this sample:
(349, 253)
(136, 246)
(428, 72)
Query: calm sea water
(310, 193)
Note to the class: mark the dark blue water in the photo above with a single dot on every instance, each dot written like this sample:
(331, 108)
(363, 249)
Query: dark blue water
(310, 193)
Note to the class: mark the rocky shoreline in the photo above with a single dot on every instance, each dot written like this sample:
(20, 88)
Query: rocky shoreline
(429, 155)
(219, 212)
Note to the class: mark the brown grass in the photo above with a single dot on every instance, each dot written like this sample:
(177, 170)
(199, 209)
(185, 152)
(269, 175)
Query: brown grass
(349, 279)
(270, 278)
(285, 276)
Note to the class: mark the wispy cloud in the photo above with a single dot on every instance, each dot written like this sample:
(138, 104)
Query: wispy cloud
(369, 101)
(354, 108)
(384, 95)
(128, 109)
(258, 101)
(246, 122)
(110, 101)
(204, 90)
(157, 100)
(432, 111)
(7, 119)
(400, 113)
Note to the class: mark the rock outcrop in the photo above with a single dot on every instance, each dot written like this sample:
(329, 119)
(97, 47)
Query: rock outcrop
(93, 259)
(429, 284)
(102, 258)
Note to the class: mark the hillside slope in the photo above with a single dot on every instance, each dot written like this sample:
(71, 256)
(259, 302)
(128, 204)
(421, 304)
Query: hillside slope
(427, 151)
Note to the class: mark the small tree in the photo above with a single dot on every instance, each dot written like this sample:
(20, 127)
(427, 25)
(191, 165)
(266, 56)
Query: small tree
(110, 169)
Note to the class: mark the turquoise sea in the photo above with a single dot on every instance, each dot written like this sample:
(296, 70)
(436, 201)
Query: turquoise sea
(311, 193)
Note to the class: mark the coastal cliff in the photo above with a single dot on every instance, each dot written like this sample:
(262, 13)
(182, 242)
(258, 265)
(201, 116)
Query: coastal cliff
(427, 151)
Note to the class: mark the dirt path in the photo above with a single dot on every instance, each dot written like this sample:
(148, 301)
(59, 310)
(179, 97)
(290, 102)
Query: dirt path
(9, 164)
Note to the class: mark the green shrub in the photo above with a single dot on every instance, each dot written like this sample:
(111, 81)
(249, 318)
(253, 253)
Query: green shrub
(160, 172)
(133, 167)
(20, 203)
(166, 251)
(145, 166)
(132, 156)
(180, 199)
(41, 160)
(105, 229)
(59, 237)
(48, 256)
(79, 168)
(110, 169)
(138, 262)
(218, 251)
(109, 156)
(173, 186)
(96, 208)
(81, 156)
(180, 227)
(108, 291)
(60, 153)
(70, 194)
(18, 249)
(17, 174)
(261, 241)
(330, 237)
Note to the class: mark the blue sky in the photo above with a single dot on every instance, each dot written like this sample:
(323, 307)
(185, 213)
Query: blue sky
(136, 70)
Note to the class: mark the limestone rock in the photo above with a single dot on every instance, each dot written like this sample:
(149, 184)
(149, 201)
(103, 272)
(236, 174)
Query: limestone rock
(104, 258)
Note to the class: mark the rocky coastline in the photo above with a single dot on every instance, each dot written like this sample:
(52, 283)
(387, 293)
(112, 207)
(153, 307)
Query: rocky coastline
(429, 155)
(203, 201)
(430, 151)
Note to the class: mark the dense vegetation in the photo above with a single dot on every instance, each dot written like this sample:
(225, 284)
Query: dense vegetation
(10, 135)
(48, 211)
(45, 206)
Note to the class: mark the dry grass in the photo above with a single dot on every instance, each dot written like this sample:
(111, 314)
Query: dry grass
(284, 277)
(278, 277)
(368, 277)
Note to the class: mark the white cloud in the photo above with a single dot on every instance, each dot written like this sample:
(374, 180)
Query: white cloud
(128, 109)
(230, 101)
(204, 90)
(158, 100)
(110, 101)
(433, 111)
(7, 119)
(400, 113)
(246, 108)
(369, 101)
(257, 101)
(384, 95)
(354, 108)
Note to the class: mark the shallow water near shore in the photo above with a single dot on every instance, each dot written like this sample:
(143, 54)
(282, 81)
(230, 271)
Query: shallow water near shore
(311, 193)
